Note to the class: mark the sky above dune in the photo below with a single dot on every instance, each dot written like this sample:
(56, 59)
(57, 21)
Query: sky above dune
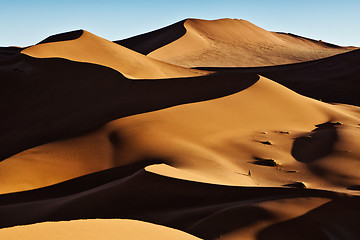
(25, 23)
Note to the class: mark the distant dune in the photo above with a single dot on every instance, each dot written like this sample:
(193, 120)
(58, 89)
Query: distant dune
(199, 130)
(229, 43)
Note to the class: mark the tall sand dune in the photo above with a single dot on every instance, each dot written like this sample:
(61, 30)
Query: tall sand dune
(230, 43)
(82, 46)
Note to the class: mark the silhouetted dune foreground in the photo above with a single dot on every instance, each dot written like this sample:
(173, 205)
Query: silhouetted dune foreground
(199, 130)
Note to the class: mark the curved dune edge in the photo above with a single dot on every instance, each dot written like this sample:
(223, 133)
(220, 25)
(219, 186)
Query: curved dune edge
(95, 229)
(148, 42)
(239, 43)
(67, 36)
(220, 139)
(93, 49)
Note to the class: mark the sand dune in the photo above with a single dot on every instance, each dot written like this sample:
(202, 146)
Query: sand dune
(325, 79)
(96, 229)
(223, 151)
(230, 43)
(83, 46)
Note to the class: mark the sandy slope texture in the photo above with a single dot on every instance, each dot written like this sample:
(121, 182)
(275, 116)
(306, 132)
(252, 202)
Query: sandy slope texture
(90, 48)
(95, 229)
(248, 138)
(236, 43)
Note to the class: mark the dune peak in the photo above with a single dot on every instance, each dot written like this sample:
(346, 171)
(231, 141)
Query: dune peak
(67, 36)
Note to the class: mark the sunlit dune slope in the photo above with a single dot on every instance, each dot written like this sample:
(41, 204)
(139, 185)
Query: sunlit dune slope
(95, 229)
(230, 43)
(82, 46)
(248, 138)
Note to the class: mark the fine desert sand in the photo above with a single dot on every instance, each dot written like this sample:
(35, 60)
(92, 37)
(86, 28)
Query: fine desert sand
(199, 130)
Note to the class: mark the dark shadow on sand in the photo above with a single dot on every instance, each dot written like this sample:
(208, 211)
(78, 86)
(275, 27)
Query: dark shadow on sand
(63, 36)
(335, 220)
(318, 144)
(148, 42)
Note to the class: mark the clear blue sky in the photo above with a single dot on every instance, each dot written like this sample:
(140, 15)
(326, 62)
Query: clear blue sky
(26, 22)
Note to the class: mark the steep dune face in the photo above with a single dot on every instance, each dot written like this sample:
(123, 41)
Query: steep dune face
(96, 229)
(87, 47)
(216, 141)
(148, 42)
(238, 43)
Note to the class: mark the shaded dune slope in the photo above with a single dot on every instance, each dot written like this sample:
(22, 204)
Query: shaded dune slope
(8, 52)
(233, 43)
(192, 207)
(61, 101)
(333, 79)
(148, 42)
